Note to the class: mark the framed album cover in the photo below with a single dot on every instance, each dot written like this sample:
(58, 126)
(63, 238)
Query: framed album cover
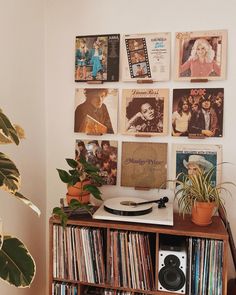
(144, 111)
(146, 56)
(143, 165)
(189, 158)
(198, 112)
(102, 154)
(200, 55)
(96, 110)
(97, 58)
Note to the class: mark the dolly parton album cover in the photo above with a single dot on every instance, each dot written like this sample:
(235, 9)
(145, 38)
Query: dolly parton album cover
(144, 111)
(97, 58)
(146, 57)
(198, 112)
(200, 55)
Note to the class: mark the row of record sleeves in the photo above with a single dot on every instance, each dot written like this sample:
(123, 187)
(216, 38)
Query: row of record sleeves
(198, 55)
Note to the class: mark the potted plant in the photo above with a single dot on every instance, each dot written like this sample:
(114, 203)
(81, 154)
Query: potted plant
(17, 266)
(82, 179)
(197, 194)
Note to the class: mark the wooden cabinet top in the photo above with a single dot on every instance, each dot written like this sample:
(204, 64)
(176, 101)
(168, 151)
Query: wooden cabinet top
(182, 226)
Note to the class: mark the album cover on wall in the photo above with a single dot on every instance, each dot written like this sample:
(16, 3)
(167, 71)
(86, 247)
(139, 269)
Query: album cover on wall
(144, 111)
(146, 56)
(97, 58)
(189, 158)
(200, 55)
(198, 112)
(143, 165)
(96, 110)
(102, 154)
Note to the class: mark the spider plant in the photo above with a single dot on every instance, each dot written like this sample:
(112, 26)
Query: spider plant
(200, 187)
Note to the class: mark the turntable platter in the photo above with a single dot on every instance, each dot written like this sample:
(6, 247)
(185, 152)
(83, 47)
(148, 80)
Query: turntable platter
(123, 206)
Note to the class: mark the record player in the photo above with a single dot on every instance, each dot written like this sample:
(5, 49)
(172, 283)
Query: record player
(132, 209)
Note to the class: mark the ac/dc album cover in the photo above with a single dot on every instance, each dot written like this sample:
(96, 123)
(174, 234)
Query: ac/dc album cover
(102, 154)
(189, 158)
(144, 111)
(198, 112)
(96, 110)
(200, 55)
(97, 58)
(146, 56)
(144, 165)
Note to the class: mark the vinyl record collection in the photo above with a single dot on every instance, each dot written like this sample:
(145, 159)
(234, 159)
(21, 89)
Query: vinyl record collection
(78, 254)
(64, 289)
(98, 291)
(130, 260)
(206, 262)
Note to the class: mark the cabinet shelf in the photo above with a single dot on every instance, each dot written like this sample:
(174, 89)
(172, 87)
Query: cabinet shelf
(183, 228)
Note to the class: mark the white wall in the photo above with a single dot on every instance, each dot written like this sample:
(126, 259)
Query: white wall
(22, 75)
(22, 99)
(66, 19)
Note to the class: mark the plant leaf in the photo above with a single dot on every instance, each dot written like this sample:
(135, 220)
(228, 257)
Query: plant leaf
(64, 176)
(93, 190)
(17, 266)
(7, 129)
(72, 163)
(9, 175)
(27, 202)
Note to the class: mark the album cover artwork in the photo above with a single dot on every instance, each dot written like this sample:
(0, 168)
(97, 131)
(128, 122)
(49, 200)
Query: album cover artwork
(144, 111)
(146, 56)
(189, 158)
(200, 55)
(97, 58)
(198, 112)
(102, 154)
(144, 165)
(96, 110)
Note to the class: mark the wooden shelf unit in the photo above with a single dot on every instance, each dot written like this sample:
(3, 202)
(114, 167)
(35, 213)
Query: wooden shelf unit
(182, 227)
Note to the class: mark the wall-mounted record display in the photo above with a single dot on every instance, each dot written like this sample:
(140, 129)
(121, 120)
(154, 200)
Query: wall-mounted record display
(146, 57)
(143, 165)
(96, 110)
(144, 111)
(198, 112)
(200, 55)
(97, 58)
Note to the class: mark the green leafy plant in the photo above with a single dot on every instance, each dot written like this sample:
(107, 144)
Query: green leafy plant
(80, 171)
(17, 266)
(199, 187)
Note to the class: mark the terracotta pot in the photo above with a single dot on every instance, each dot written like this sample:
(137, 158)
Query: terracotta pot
(77, 189)
(202, 213)
(83, 198)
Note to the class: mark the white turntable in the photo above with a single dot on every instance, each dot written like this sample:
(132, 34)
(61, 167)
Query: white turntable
(133, 209)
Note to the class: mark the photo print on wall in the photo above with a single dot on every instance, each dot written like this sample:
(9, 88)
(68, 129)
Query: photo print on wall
(102, 154)
(144, 165)
(188, 158)
(144, 111)
(96, 110)
(198, 112)
(200, 55)
(97, 58)
(146, 57)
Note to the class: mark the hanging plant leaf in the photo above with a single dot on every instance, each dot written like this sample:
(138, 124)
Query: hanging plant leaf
(9, 174)
(17, 266)
(7, 129)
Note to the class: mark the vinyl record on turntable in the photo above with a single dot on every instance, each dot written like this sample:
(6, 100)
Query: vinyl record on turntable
(123, 206)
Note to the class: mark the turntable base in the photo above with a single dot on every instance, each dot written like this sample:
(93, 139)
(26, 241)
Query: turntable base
(163, 216)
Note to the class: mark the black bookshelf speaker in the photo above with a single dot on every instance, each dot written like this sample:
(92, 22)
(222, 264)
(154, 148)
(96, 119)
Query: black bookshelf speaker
(172, 270)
